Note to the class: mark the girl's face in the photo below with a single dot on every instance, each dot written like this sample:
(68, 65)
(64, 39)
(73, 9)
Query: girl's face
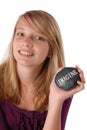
(30, 48)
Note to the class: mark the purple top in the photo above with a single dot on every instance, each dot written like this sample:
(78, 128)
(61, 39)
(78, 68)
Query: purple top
(13, 118)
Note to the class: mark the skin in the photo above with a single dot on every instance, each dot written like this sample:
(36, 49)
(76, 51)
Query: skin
(56, 99)
(29, 47)
(30, 50)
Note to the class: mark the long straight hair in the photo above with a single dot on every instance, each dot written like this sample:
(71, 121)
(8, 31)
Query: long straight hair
(9, 81)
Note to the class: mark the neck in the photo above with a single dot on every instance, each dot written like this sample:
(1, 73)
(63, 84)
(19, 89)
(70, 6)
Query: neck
(27, 75)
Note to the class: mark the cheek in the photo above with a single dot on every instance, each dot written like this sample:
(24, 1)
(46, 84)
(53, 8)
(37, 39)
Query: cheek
(43, 51)
(14, 50)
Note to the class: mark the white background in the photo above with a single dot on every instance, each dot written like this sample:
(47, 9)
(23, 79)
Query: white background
(72, 19)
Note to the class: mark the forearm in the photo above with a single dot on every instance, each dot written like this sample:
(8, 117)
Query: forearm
(53, 120)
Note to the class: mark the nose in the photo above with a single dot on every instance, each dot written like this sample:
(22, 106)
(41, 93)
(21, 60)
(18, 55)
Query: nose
(28, 42)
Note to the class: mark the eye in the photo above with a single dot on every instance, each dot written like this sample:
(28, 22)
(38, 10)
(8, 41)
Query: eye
(20, 34)
(39, 38)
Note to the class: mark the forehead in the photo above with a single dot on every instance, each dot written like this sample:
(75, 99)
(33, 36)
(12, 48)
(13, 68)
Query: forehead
(26, 23)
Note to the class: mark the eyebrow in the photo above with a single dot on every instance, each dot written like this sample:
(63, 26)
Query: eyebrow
(20, 28)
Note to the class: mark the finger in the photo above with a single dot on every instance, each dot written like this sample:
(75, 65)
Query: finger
(80, 83)
(78, 88)
(79, 69)
(81, 74)
(82, 78)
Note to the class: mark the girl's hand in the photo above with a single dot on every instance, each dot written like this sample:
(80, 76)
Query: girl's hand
(59, 95)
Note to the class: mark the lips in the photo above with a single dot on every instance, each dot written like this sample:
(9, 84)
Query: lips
(25, 53)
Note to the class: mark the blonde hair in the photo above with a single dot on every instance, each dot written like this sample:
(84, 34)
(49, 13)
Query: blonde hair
(9, 81)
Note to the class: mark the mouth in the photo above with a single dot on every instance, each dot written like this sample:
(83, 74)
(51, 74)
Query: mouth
(25, 53)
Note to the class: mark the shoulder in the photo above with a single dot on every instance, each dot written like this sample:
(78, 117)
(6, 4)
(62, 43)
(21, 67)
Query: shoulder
(0, 103)
(68, 101)
(66, 105)
(3, 122)
(65, 110)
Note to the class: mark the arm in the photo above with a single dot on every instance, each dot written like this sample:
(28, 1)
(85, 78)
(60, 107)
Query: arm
(57, 116)
(53, 120)
(65, 110)
(59, 103)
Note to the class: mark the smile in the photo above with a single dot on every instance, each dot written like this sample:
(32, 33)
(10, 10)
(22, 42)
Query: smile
(25, 53)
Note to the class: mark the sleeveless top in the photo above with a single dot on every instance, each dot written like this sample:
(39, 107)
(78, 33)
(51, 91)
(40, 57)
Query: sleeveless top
(14, 118)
